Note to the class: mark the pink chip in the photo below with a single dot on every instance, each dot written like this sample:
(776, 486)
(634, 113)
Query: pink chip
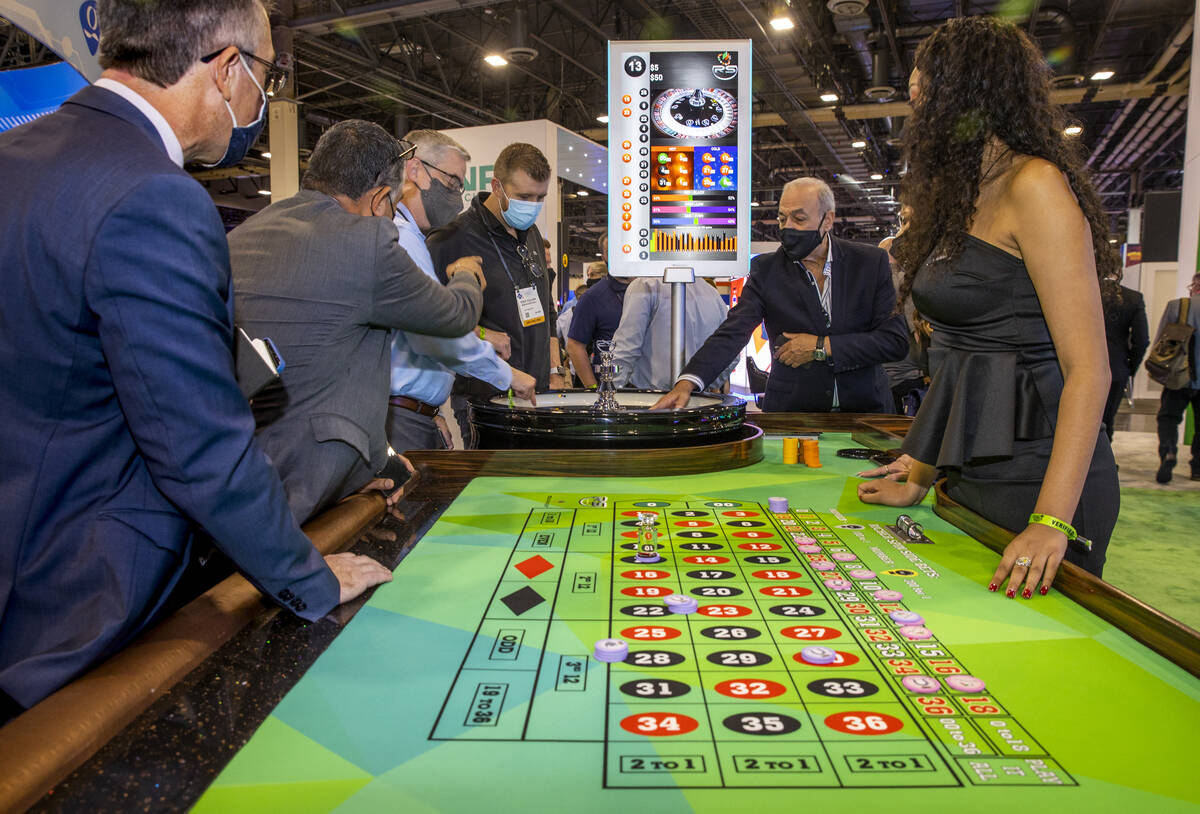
(862, 573)
(838, 584)
(888, 596)
(845, 556)
(915, 632)
(823, 565)
(921, 684)
(809, 549)
(800, 538)
(965, 683)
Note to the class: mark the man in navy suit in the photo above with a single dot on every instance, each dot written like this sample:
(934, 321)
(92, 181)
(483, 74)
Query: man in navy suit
(830, 311)
(122, 428)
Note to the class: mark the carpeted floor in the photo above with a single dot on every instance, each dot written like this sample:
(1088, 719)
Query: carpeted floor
(1155, 549)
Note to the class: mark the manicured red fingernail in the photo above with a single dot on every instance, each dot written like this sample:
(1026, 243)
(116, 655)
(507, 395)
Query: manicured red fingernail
(1010, 593)
(1045, 589)
(993, 586)
(1027, 593)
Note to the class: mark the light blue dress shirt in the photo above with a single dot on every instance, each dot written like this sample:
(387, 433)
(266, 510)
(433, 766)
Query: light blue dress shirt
(423, 367)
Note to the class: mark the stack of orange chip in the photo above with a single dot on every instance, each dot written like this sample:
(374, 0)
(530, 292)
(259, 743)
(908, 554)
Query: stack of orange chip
(812, 452)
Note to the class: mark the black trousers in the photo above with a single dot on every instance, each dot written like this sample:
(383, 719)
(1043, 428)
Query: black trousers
(1006, 490)
(1116, 392)
(1170, 412)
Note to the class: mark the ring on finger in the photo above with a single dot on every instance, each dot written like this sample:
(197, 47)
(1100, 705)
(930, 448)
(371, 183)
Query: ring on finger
(1024, 562)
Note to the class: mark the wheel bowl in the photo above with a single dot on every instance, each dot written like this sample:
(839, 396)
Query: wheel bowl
(566, 419)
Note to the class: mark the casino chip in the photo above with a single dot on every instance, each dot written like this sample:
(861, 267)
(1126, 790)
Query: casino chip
(844, 556)
(816, 654)
(888, 596)
(838, 584)
(921, 684)
(965, 684)
(681, 603)
(907, 617)
(823, 565)
(862, 573)
(915, 632)
(777, 505)
(611, 650)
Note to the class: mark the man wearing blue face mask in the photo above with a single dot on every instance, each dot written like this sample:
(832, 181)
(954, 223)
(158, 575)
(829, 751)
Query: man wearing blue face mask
(123, 432)
(829, 307)
(501, 228)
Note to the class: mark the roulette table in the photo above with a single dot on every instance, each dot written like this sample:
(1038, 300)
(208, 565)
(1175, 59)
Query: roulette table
(829, 660)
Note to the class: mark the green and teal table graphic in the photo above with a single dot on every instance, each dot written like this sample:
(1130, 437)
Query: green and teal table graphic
(829, 663)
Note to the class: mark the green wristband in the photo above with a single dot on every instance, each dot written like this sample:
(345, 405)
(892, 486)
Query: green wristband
(1064, 527)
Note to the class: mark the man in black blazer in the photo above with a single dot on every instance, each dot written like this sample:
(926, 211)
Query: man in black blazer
(830, 311)
(1128, 335)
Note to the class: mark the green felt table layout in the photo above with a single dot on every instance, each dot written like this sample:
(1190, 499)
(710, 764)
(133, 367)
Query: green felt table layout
(469, 683)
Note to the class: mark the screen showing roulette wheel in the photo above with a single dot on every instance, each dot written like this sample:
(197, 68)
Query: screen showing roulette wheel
(677, 135)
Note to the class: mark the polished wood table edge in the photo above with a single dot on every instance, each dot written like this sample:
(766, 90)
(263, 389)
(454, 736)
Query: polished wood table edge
(1163, 634)
(614, 462)
(88, 712)
(782, 423)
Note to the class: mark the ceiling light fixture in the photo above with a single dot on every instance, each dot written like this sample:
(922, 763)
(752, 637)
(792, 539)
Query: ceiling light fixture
(782, 23)
(264, 192)
(875, 176)
(858, 145)
(583, 193)
(1073, 130)
(1100, 76)
(602, 118)
(495, 60)
(266, 155)
(829, 97)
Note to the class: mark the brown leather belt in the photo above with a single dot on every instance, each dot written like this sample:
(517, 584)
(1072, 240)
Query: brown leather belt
(414, 405)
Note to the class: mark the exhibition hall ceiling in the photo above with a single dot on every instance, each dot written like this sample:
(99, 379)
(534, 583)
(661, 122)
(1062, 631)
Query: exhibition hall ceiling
(407, 64)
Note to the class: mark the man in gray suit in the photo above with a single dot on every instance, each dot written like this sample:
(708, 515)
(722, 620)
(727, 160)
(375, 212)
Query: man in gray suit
(321, 274)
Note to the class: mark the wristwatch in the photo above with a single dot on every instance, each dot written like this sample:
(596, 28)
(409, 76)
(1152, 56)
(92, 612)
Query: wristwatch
(819, 354)
(558, 371)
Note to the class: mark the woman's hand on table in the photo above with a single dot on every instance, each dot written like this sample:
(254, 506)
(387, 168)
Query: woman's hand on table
(891, 492)
(896, 470)
(1044, 547)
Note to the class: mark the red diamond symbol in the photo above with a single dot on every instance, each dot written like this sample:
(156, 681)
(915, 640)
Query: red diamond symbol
(533, 566)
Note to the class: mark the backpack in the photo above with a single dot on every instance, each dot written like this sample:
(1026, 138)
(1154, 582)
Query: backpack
(1168, 363)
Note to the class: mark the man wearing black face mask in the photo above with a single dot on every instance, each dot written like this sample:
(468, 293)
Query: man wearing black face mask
(829, 309)
(423, 367)
(122, 429)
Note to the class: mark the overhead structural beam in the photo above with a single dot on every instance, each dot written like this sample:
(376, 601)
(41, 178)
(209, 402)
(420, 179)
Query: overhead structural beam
(376, 13)
(1068, 96)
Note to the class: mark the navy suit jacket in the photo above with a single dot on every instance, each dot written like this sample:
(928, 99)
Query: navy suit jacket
(121, 424)
(864, 331)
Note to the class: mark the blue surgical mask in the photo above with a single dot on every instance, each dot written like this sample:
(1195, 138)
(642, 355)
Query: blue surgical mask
(243, 138)
(521, 214)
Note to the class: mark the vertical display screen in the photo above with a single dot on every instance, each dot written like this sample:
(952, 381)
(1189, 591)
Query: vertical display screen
(678, 135)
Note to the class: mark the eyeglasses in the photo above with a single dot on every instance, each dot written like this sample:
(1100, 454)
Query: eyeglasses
(455, 183)
(527, 260)
(275, 79)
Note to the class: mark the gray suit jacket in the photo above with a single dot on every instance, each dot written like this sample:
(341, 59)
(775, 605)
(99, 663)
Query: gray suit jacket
(328, 288)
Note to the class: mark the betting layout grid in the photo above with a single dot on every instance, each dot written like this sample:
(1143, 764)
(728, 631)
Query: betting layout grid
(726, 696)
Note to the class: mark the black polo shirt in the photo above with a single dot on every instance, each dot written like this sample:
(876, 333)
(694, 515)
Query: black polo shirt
(477, 232)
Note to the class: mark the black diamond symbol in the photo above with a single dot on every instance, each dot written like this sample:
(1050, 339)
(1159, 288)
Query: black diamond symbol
(520, 601)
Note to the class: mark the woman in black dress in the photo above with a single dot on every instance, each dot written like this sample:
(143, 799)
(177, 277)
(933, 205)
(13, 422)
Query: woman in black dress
(1006, 254)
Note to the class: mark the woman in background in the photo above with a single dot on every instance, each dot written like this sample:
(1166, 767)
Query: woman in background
(1005, 254)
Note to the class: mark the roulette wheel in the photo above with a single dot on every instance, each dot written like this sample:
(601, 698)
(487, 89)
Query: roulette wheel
(695, 113)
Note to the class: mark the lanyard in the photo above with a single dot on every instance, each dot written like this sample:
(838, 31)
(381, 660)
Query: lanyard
(500, 254)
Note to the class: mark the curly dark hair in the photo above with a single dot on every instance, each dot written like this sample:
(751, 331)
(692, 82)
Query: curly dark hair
(982, 77)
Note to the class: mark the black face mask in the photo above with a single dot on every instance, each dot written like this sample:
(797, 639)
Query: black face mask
(442, 204)
(800, 243)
